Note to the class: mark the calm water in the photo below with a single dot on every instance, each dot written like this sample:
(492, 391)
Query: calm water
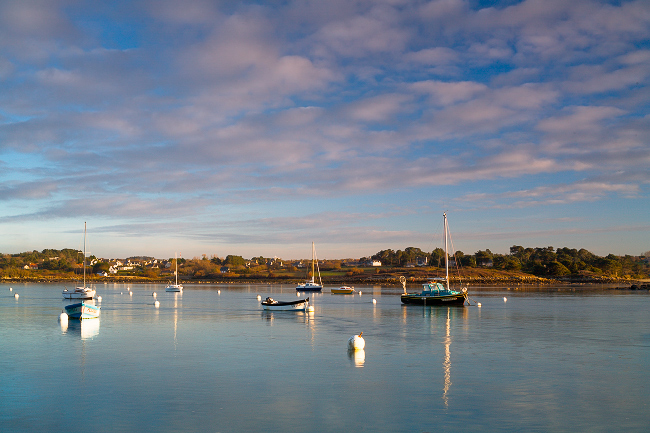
(210, 359)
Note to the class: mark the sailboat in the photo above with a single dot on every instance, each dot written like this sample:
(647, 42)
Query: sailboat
(175, 287)
(82, 310)
(311, 285)
(434, 293)
(82, 292)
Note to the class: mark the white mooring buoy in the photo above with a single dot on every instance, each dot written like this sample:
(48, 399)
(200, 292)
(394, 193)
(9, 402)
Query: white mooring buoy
(63, 317)
(259, 298)
(154, 294)
(356, 342)
(374, 301)
(478, 305)
(16, 296)
(99, 298)
(157, 304)
(505, 299)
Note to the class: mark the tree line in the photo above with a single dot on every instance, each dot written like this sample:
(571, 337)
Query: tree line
(539, 261)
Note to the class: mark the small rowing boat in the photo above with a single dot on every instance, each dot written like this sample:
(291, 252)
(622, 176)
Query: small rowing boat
(272, 304)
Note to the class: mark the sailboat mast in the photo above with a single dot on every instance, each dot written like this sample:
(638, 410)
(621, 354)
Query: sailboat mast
(312, 263)
(176, 261)
(446, 254)
(84, 254)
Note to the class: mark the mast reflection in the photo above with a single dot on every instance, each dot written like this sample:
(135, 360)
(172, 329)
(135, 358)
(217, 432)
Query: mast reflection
(446, 365)
(436, 316)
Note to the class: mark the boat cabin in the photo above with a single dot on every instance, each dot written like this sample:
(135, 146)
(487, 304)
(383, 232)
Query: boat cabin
(434, 289)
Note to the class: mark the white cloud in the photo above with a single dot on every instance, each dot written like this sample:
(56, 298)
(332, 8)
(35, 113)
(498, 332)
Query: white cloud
(433, 56)
(446, 93)
(213, 105)
(579, 120)
(377, 109)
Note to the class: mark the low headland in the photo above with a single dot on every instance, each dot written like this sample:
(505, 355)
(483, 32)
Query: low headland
(380, 277)
(522, 266)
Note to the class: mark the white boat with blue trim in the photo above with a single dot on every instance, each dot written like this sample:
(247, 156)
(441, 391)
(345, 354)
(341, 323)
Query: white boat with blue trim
(82, 310)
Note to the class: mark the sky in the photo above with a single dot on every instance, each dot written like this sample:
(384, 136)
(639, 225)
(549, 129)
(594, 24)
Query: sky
(255, 128)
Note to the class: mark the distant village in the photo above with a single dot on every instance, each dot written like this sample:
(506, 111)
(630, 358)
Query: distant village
(116, 266)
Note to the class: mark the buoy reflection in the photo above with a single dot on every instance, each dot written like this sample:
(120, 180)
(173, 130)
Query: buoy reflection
(357, 357)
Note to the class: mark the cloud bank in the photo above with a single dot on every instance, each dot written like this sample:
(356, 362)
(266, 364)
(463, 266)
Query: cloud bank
(256, 127)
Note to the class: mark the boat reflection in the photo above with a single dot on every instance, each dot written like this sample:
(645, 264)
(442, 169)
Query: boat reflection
(442, 316)
(85, 329)
(178, 296)
(294, 316)
(446, 365)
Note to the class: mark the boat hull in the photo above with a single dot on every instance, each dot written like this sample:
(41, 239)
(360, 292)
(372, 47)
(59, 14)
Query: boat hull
(300, 305)
(174, 288)
(343, 291)
(418, 299)
(309, 287)
(82, 310)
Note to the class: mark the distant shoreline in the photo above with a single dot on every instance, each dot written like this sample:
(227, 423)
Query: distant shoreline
(381, 280)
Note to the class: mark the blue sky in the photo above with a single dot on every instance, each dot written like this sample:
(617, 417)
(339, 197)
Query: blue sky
(256, 127)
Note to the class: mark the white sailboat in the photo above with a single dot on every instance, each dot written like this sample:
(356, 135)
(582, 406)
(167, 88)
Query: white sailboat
(312, 285)
(175, 287)
(82, 292)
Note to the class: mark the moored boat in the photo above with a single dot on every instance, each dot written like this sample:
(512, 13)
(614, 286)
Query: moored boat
(343, 290)
(272, 304)
(79, 293)
(82, 310)
(82, 292)
(175, 287)
(435, 293)
(312, 285)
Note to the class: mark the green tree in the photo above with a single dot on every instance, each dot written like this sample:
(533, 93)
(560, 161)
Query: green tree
(557, 269)
(100, 267)
(234, 261)
(438, 257)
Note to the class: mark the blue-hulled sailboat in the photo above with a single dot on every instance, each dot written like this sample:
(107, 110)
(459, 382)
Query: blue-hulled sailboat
(434, 293)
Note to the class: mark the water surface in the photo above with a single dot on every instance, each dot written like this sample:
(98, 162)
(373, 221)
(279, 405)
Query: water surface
(210, 359)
